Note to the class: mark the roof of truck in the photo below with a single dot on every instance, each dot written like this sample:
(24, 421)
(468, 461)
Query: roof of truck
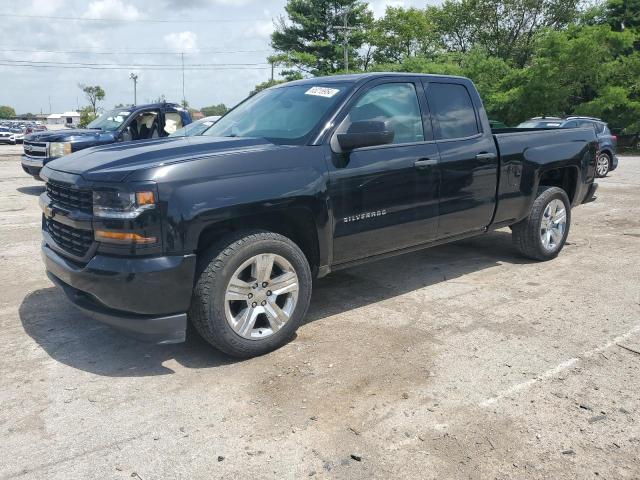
(362, 77)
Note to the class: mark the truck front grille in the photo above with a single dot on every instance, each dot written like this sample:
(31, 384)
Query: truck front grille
(36, 149)
(72, 240)
(70, 198)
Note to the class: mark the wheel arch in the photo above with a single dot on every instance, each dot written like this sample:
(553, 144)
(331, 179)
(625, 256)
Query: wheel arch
(566, 178)
(296, 222)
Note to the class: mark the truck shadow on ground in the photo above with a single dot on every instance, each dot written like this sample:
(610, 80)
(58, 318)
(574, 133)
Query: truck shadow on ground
(80, 342)
(35, 190)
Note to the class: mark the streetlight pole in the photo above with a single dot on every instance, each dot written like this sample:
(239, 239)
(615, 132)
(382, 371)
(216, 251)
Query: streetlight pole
(134, 77)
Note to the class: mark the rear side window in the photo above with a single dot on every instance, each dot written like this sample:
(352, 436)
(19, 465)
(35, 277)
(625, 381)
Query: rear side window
(452, 107)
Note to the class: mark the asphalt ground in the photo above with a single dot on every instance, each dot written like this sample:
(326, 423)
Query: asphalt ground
(461, 361)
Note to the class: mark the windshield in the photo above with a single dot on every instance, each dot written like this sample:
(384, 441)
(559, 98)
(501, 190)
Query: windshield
(281, 115)
(195, 128)
(110, 120)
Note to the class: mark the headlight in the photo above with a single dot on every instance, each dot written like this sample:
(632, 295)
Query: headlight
(112, 204)
(59, 149)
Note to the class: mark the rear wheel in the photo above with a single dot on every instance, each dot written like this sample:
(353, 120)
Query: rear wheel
(603, 165)
(252, 293)
(544, 232)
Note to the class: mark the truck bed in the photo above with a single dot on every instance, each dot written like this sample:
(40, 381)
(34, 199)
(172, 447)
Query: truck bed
(523, 150)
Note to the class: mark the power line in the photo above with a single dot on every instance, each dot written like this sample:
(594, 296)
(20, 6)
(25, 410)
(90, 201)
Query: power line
(166, 68)
(133, 20)
(134, 65)
(127, 52)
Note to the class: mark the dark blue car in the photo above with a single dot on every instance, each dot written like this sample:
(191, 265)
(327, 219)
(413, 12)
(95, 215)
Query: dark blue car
(607, 158)
(122, 124)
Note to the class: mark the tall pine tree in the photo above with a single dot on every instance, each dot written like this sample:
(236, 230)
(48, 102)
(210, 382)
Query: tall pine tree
(310, 40)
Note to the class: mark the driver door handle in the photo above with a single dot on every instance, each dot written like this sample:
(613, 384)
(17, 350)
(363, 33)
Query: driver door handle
(425, 163)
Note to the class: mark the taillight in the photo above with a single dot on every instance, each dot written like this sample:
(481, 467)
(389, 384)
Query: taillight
(614, 137)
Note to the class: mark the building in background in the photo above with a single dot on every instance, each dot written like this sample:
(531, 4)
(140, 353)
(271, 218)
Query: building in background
(66, 119)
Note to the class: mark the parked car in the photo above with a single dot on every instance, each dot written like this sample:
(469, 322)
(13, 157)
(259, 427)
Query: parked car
(229, 228)
(197, 127)
(607, 158)
(7, 136)
(18, 135)
(133, 123)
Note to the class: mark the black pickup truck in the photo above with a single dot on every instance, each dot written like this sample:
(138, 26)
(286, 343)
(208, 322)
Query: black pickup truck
(228, 229)
(134, 122)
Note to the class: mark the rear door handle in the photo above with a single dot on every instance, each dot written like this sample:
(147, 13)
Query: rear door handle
(485, 156)
(425, 163)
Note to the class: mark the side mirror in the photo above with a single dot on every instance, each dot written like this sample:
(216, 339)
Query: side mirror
(367, 133)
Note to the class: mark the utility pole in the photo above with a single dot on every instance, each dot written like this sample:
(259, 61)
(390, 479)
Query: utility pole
(184, 100)
(134, 77)
(346, 32)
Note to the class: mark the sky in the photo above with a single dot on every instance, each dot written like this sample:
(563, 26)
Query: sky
(224, 33)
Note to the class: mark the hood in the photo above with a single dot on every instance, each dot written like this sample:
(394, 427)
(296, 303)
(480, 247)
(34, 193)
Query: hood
(70, 135)
(114, 162)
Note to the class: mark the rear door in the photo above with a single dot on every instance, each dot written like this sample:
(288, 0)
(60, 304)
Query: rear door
(468, 157)
(385, 197)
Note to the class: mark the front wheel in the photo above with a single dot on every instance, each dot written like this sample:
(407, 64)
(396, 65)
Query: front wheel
(252, 293)
(603, 165)
(544, 232)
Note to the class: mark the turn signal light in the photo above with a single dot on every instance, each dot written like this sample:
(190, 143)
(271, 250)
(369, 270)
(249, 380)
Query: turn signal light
(145, 198)
(122, 237)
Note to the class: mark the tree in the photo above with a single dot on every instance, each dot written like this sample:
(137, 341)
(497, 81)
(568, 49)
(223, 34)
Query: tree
(623, 14)
(403, 33)
(7, 112)
(212, 110)
(93, 95)
(87, 116)
(504, 28)
(310, 40)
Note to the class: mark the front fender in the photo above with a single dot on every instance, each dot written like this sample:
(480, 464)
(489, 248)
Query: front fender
(198, 195)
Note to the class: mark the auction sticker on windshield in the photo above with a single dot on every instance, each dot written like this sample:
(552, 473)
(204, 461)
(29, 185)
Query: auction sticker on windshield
(322, 92)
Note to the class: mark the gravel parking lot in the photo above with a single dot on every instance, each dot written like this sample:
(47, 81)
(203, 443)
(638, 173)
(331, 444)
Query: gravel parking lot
(462, 361)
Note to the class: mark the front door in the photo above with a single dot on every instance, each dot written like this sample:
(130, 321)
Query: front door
(385, 197)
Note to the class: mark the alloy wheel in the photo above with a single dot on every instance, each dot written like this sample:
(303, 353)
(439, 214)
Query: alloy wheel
(261, 296)
(602, 165)
(553, 225)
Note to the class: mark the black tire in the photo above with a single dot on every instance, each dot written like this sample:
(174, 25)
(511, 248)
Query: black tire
(526, 233)
(215, 269)
(603, 173)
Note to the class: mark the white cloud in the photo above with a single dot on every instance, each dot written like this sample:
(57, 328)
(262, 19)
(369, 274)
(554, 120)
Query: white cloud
(45, 7)
(259, 29)
(182, 42)
(112, 9)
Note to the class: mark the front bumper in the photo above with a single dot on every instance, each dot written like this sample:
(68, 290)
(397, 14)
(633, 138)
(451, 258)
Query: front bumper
(31, 165)
(145, 297)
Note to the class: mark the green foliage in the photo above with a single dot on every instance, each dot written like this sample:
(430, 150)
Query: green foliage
(7, 112)
(527, 57)
(310, 40)
(622, 14)
(403, 33)
(87, 116)
(93, 94)
(212, 110)
(504, 28)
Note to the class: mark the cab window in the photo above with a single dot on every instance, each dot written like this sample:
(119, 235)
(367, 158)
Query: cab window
(453, 109)
(394, 103)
